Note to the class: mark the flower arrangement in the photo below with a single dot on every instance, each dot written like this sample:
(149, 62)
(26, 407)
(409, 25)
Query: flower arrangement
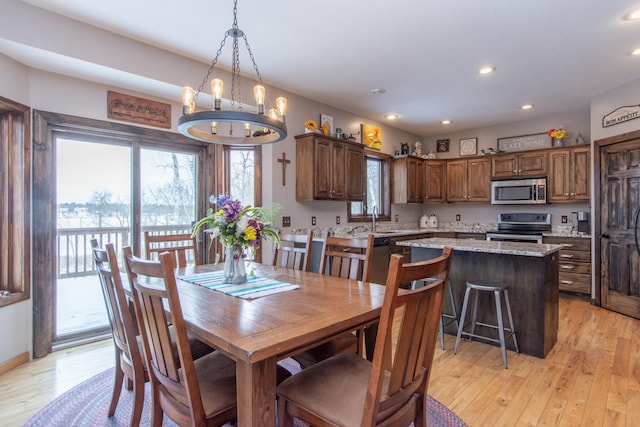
(311, 126)
(237, 225)
(558, 133)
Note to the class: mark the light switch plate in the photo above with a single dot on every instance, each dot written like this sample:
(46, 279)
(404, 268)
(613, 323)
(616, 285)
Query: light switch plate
(338, 219)
(286, 221)
(313, 220)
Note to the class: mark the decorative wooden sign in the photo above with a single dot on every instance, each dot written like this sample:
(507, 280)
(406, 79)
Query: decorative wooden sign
(620, 115)
(138, 110)
(524, 142)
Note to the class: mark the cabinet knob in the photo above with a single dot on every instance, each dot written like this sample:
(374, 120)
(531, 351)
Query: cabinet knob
(567, 245)
(566, 256)
(515, 171)
(567, 267)
(567, 282)
(573, 194)
(566, 194)
(520, 171)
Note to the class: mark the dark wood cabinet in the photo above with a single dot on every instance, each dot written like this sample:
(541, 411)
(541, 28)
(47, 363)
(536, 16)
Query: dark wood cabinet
(569, 174)
(575, 263)
(469, 180)
(328, 168)
(434, 181)
(408, 178)
(527, 164)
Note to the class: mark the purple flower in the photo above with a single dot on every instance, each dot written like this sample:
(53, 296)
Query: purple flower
(231, 209)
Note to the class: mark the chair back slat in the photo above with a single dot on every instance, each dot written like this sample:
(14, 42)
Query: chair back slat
(347, 258)
(406, 372)
(177, 244)
(121, 319)
(156, 296)
(294, 251)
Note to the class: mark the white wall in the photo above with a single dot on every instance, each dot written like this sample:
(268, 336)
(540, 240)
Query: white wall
(15, 318)
(605, 103)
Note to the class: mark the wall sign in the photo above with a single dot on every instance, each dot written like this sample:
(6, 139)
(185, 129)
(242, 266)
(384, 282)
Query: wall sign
(138, 110)
(524, 142)
(620, 115)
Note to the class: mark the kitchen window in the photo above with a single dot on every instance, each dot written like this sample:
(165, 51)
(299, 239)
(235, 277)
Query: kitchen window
(377, 190)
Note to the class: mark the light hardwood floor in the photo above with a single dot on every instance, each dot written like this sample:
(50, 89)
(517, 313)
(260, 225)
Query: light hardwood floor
(590, 378)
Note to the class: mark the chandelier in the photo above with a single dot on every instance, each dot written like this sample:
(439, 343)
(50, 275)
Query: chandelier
(218, 125)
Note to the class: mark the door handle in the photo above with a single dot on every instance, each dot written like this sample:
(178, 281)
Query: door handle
(605, 236)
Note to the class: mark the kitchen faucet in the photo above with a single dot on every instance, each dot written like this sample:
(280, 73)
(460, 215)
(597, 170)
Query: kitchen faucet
(373, 218)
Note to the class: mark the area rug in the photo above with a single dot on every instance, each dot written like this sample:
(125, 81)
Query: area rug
(87, 404)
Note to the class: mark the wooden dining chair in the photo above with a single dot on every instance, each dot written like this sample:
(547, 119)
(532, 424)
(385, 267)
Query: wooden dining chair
(347, 390)
(350, 259)
(129, 363)
(201, 392)
(177, 244)
(294, 251)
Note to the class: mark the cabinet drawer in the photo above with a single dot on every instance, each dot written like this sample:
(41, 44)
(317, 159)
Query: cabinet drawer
(574, 244)
(574, 267)
(579, 256)
(575, 282)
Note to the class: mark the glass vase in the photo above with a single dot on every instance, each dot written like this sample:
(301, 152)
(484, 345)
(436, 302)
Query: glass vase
(234, 268)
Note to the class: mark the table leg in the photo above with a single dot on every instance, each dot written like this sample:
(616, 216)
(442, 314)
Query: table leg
(256, 388)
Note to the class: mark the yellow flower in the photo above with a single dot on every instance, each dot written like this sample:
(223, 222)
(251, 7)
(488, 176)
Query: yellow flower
(250, 233)
(311, 124)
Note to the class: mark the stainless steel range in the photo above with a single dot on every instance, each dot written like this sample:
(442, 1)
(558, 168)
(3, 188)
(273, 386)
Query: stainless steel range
(521, 227)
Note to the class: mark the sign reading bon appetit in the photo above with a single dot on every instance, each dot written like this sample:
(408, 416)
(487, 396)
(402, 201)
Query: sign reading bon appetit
(620, 115)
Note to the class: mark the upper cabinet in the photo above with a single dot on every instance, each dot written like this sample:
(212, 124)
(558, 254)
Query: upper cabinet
(328, 168)
(526, 164)
(435, 172)
(408, 177)
(569, 174)
(469, 180)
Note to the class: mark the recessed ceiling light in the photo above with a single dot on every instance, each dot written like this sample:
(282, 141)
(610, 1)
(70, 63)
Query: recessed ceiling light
(378, 91)
(446, 122)
(527, 106)
(632, 16)
(636, 52)
(391, 116)
(487, 70)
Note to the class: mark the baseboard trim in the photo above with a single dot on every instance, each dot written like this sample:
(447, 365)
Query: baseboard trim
(14, 362)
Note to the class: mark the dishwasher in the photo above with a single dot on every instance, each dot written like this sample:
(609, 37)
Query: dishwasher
(380, 260)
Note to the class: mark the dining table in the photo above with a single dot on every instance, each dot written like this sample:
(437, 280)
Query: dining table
(258, 332)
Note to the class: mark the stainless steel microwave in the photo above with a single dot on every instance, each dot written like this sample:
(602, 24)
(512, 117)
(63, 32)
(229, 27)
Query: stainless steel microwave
(527, 191)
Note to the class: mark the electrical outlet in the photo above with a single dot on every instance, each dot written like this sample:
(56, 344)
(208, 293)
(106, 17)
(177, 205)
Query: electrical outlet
(313, 220)
(286, 221)
(397, 217)
(458, 217)
(563, 219)
(338, 219)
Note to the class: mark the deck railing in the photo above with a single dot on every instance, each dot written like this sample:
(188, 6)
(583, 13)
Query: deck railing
(74, 245)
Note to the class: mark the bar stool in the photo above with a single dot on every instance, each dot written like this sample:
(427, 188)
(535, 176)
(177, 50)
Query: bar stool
(498, 289)
(446, 318)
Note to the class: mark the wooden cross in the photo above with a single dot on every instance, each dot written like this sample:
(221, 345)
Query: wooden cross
(284, 162)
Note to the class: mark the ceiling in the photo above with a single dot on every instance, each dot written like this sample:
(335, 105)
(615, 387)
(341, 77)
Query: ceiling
(425, 53)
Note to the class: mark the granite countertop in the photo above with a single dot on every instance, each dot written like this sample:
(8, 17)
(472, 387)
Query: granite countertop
(504, 248)
(567, 234)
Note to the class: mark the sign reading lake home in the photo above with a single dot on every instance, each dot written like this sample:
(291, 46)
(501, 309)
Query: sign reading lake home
(622, 114)
(524, 142)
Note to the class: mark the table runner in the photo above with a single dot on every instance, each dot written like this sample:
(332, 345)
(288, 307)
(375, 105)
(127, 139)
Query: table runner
(255, 287)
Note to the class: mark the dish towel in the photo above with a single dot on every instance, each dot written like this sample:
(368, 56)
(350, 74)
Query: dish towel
(255, 287)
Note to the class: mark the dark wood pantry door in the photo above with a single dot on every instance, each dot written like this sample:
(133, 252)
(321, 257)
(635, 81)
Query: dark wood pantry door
(619, 193)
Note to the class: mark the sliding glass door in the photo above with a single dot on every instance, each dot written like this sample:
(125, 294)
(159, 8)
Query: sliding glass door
(102, 192)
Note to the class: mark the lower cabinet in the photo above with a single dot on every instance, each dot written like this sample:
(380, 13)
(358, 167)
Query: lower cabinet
(575, 263)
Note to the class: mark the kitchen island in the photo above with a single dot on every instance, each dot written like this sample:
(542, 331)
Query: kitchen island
(530, 270)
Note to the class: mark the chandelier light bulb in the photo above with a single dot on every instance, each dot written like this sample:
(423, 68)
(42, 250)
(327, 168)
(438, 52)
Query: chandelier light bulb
(214, 128)
(259, 94)
(187, 100)
(281, 103)
(273, 113)
(216, 89)
(247, 129)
